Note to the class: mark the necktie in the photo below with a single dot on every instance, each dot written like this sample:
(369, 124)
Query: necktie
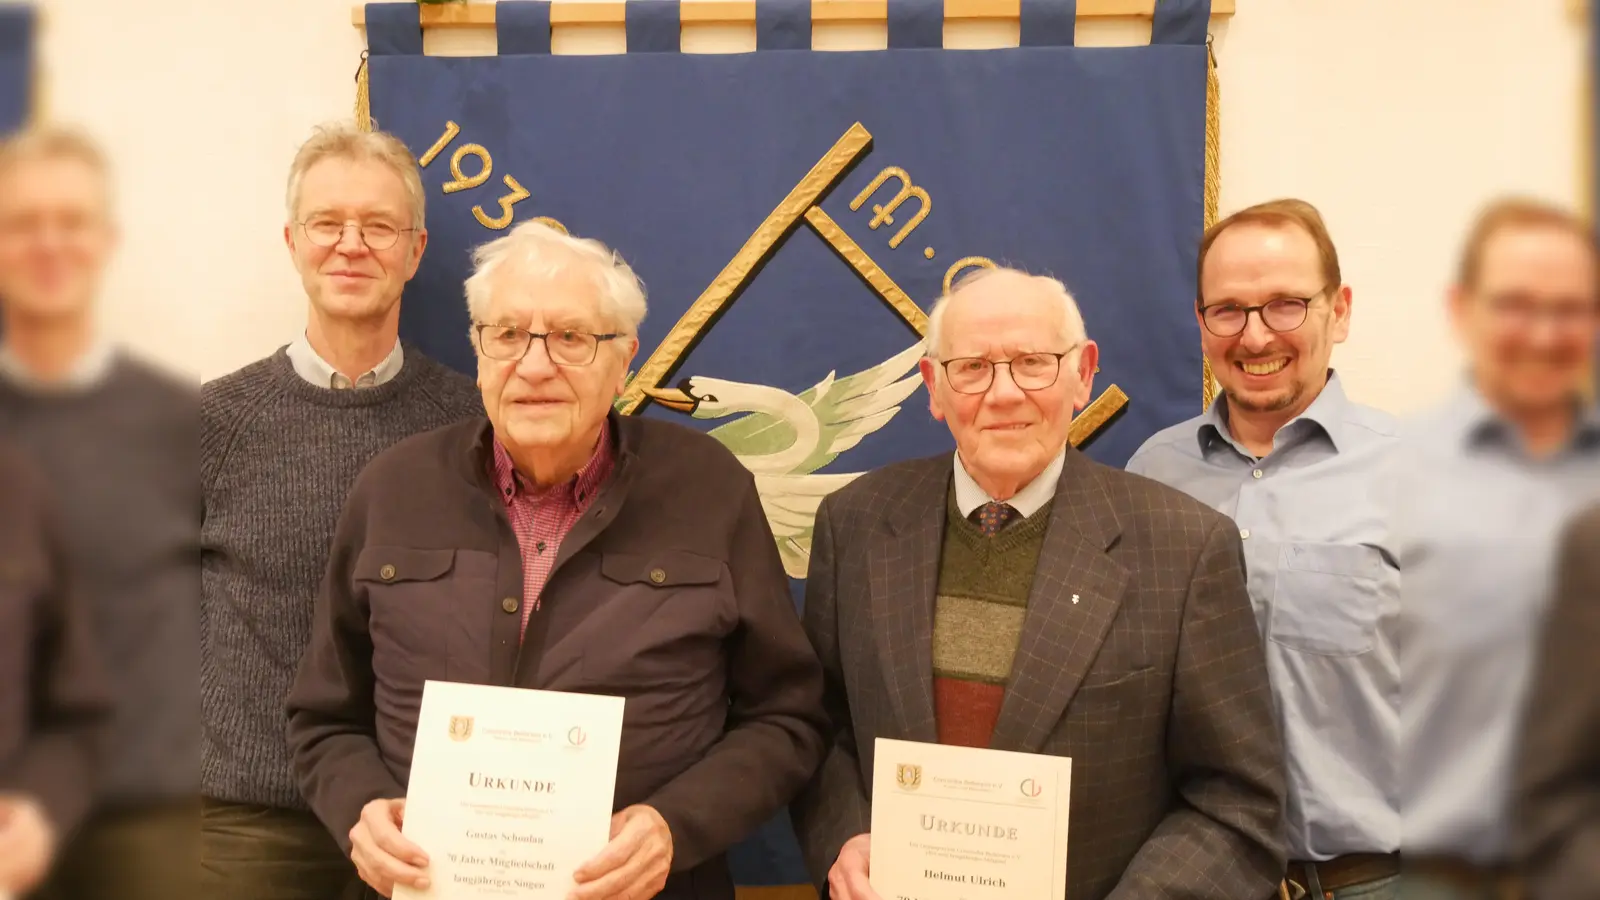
(992, 517)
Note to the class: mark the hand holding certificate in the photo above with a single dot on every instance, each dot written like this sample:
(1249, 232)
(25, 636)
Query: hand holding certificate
(27, 842)
(955, 823)
(634, 864)
(510, 791)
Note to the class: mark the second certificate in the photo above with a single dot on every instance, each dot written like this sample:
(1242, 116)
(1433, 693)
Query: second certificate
(954, 823)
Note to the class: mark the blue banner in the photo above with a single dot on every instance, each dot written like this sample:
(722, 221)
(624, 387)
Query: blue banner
(795, 213)
(18, 22)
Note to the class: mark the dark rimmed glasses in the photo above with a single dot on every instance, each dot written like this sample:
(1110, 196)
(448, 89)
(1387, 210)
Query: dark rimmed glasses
(1280, 314)
(566, 347)
(1029, 371)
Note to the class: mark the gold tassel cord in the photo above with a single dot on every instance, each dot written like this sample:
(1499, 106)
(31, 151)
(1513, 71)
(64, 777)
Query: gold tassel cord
(363, 97)
(1213, 188)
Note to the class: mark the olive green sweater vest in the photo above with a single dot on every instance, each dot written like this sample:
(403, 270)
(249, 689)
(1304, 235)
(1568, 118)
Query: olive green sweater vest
(984, 583)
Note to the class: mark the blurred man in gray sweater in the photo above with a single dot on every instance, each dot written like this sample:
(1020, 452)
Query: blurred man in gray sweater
(281, 442)
(115, 440)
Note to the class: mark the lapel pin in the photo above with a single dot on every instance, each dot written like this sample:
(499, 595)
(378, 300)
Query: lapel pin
(1074, 599)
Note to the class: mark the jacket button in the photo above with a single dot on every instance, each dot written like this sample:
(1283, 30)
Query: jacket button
(658, 575)
(509, 604)
(386, 573)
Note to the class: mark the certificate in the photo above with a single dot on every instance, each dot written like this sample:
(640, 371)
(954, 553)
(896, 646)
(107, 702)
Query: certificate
(511, 790)
(955, 823)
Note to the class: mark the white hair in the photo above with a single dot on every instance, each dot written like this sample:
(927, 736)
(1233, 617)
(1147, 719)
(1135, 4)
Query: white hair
(345, 140)
(1072, 328)
(535, 251)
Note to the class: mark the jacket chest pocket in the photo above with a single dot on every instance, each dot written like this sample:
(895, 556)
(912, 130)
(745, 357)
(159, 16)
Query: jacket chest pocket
(427, 616)
(666, 615)
(1327, 598)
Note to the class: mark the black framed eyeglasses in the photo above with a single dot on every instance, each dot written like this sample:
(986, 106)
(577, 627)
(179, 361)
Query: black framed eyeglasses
(565, 347)
(1029, 371)
(1280, 314)
(326, 231)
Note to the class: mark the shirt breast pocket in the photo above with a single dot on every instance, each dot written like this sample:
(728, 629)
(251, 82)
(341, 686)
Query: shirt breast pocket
(1327, 597)
(422, 615)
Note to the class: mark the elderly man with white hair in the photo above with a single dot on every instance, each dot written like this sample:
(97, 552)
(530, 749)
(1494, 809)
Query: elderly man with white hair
(558, 545)
(1017, 595)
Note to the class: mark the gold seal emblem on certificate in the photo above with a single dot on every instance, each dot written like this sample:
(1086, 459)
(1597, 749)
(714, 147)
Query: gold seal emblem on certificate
(460, 728)
(909, 777)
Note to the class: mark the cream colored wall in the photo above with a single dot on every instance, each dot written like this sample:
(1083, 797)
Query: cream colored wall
(1396, 118)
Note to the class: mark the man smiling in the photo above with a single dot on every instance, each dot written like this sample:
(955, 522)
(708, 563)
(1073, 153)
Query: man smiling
(281, 441)
(1017, 595)
(1302, 471)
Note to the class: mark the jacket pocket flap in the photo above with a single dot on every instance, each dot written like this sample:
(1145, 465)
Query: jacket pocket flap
(394, 564)
(660, 569)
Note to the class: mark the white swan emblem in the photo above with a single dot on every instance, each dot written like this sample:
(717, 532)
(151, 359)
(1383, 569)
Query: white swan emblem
(784, 438)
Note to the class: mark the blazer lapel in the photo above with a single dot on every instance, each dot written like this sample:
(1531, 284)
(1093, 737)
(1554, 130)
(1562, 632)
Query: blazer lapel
(1077, 590)
(903, 569)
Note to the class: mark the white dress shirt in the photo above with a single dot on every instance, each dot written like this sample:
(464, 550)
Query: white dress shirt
(310, 365)
(1033, 496)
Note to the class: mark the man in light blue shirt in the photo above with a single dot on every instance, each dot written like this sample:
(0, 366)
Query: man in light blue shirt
(1307, 476)
(1488, 480)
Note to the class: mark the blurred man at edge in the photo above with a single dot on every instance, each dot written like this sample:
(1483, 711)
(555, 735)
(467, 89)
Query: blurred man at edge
(1488, 481)
(116, 440)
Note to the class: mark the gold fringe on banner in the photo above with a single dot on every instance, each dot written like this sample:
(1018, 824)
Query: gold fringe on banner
(1213, 189)
(363, 97)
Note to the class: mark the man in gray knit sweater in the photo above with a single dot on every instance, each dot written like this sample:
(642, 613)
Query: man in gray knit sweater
(281, 442)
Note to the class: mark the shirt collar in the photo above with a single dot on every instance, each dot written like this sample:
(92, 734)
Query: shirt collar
(1033, 496)
(88, 371)
(310, 365)
(1469, 420)
(579, 489)
(1329, 415)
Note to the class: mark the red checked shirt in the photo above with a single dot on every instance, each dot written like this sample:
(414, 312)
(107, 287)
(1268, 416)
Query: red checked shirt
(542, 519)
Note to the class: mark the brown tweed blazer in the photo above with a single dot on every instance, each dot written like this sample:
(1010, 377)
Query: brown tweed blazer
(1140, 659)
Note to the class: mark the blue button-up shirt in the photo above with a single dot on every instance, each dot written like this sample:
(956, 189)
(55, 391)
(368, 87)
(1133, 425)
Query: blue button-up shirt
(1316, 516)
(1479, 528)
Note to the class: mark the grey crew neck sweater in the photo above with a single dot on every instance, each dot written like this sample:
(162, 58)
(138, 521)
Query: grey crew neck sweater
(120, 459)
(278, 455)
